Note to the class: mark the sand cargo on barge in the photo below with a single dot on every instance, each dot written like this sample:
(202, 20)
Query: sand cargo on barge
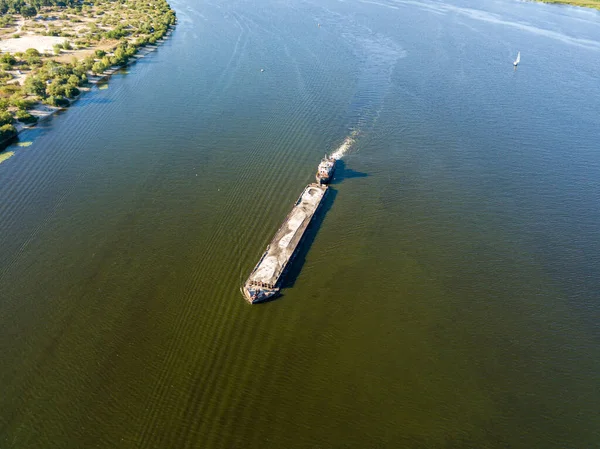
(264, 282)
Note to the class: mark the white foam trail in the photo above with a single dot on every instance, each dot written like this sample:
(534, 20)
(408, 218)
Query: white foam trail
(345, 146)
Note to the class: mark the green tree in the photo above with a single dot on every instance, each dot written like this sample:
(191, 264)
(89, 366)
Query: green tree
(19, 102)
(59, 101)
(7, 58)
(71, 91)
(119, 57)
(33, 60)
(74, 80)
(35, 86)
(87, 63)
(26, 117)
(28, 11)
(7, 131)
(98, 67)
(56, 88)
(6, 118)
(32, 52)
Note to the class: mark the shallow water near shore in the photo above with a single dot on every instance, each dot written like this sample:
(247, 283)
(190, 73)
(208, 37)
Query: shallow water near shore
(447, 296)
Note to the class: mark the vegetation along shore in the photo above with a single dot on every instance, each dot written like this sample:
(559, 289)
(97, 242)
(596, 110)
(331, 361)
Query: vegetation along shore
(583, 3)
(50, 50)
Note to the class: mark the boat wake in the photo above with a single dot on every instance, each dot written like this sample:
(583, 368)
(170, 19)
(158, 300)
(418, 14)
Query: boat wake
(345, 146)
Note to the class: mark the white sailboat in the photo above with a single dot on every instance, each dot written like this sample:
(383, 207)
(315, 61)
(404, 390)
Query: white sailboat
(516, 63)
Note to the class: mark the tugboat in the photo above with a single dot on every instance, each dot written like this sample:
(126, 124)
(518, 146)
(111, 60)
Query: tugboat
(325, 170)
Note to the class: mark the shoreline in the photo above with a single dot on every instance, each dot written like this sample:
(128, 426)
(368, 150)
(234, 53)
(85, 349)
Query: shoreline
(588, 4)
(45, 112)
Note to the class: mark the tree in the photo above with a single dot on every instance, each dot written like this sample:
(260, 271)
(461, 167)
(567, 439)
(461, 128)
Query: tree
(98, 67)
(35, 86)
(28, 11)
(87, 63)
(26, 117)
(32, 52)
(119, 56)
(71, 91)
(6, 118)
(7, 131)
(7, 58)
(56, 88)
(33, 61)
(74, 80)
(59, 101)
(5, 76)
(21, 103)
(33, 58)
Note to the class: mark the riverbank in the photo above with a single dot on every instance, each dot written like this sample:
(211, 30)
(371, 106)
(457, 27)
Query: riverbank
(50, 53)
(41, 111)
(594, 4)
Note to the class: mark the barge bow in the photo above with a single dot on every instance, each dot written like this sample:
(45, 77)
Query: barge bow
(264, 283)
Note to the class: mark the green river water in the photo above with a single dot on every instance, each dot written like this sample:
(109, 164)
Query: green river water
(447, 295)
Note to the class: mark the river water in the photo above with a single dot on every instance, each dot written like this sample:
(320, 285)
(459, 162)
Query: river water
(447, 296)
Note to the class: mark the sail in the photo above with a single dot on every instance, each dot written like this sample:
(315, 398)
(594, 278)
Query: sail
(518, 58)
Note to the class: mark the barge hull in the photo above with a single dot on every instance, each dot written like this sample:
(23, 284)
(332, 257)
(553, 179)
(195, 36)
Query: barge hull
(263, 283)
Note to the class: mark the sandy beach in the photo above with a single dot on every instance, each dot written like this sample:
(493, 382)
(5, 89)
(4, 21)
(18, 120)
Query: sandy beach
(43, 44)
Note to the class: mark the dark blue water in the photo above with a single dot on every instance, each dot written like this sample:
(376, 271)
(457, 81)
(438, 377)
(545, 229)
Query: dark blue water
(447, 296)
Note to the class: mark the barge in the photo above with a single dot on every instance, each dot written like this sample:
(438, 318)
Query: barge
(264, 282)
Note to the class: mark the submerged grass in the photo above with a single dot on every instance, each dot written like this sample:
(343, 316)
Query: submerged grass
(583, 3)
(5, 156)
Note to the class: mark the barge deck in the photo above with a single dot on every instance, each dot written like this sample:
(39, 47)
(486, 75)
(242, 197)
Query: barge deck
(264, 281)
